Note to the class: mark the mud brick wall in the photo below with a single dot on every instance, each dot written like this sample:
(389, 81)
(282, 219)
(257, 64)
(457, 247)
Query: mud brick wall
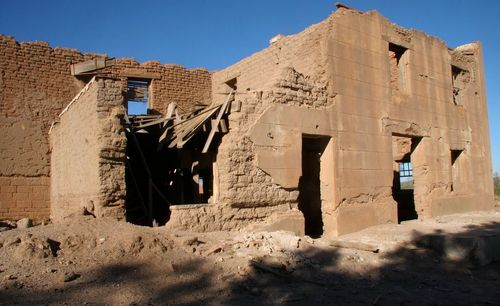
(88, 154)
(290, 72)
(36, 84)
(169, 82)
(334, 79)
(24, 196)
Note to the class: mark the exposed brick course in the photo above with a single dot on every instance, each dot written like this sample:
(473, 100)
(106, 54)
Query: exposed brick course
(36, 84)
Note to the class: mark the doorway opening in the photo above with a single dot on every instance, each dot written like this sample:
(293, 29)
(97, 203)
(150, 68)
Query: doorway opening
(455, 169)
(313, 147)
(403, 180)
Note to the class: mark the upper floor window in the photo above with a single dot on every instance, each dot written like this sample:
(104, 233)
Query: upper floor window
(459, 80)
(398, 65)
(137, 97)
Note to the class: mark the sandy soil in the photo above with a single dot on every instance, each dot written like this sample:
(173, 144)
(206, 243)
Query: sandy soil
(90, 261)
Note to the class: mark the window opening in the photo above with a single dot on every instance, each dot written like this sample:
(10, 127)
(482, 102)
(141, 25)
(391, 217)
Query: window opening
(455, 171)
(406, 176)
(232, 84)
(137, 97)
(397, 59)
(459, 79)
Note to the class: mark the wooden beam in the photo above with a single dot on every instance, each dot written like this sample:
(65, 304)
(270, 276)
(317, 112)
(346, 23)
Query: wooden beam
(223, 126)
(91, 65)
(219, 117)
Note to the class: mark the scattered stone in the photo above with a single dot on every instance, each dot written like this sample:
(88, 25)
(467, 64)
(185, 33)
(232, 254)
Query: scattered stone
(12, 241)
(13, 285)
(32, 248)
(70, 276)
(214, 249)
(136, 246)
(190, 241)
(24, 223)
(51, 270)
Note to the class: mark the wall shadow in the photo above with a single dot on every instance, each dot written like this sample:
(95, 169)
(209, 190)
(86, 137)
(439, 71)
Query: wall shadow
(418, 273)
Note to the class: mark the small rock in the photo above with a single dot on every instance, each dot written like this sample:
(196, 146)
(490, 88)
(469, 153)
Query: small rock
(70, 276)
(214, 249)
(12, 241)
(51, 270)
(190, 241)
(24, 223)
(15, 285)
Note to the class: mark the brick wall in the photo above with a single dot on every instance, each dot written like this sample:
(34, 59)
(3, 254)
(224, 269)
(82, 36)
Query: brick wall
(24, 196)
(36, 84)
(88, 161)
(290, 72)
(334, 79)
(169, 82)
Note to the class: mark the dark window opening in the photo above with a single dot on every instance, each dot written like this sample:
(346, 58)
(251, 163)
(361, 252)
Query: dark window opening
(397, 59)
(454, 155)
(189, 177)
(455, 169)
(459, 80)
(310, 184)
(232, 84)
(137, 97)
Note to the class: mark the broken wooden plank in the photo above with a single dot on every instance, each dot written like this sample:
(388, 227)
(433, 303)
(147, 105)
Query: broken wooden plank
(223, 126)
(137, 94)
(151, 123)
(191, 130)
(219, 117)
(171, 113)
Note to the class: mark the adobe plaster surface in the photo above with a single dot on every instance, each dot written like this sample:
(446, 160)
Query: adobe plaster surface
(368, 92)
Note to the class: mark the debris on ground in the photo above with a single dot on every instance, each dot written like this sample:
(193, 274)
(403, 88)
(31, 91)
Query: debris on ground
(102, 261)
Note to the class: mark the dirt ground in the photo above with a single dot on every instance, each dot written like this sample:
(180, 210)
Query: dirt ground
(88, 261)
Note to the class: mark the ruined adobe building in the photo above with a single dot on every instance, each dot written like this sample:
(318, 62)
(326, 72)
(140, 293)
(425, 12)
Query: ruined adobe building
(351, 123)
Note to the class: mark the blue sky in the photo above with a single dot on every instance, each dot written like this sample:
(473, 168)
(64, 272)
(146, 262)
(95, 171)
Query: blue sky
(214, 34)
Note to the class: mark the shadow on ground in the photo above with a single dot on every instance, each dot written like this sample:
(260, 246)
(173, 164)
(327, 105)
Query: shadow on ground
(418, 273)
